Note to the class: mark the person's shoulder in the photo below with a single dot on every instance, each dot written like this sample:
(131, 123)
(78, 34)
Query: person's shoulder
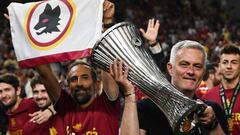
(214, 89)
(147, 104)
(27, 105)
(28, 101)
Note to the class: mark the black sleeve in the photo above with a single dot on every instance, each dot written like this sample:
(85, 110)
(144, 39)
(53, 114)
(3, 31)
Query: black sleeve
(142, 114)
(152, 119)
(158, 57)
(222, 119)
(161, 60)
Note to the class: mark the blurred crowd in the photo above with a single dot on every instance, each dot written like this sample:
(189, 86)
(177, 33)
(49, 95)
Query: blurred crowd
(205, 22)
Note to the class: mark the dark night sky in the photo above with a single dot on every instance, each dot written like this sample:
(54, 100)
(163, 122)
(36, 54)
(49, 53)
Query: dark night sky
(5, 3)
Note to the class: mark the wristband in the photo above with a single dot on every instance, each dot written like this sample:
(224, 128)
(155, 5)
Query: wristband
(130, 99)
(154, 44)
(50, 111)
(126, 95)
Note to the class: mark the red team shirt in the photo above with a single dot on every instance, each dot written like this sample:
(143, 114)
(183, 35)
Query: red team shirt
(214, 95)
(54, 126)
(20, 116)
(101, 117)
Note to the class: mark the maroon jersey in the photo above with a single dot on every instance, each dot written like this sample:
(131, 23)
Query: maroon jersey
(54, 126)
(214, 95)
(101, 117)
(20, 116)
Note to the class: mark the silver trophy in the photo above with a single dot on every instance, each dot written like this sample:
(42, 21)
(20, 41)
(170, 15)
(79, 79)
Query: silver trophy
(123, 41)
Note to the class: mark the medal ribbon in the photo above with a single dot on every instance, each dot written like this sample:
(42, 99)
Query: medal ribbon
(228, 109)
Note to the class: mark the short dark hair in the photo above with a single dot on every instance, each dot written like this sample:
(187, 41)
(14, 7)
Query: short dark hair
(10, 79)
(230, 49)
(93, 70)
(36, 80)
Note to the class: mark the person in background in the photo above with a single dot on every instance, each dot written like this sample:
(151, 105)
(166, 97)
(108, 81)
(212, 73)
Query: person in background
(51, 126)
(87, 108)
(18, 109)
(153, 45)
(226, 94)
(186, 68)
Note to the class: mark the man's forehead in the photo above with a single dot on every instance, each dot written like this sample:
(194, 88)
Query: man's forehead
(190, 55)
(80, 69)
(186, 52)
(39, 87)
(5, 85)
(230, 56)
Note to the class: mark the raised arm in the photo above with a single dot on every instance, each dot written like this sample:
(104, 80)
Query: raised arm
(110, 86)
(152, 31)
(129, 123)
(108, 14)
(50, 82)
(151, 36)
(42, 116)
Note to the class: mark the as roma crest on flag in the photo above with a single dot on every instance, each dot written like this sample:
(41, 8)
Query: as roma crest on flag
(53, 24)
(54, 30)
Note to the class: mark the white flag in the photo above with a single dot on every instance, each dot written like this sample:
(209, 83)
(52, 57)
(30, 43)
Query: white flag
(54, 30)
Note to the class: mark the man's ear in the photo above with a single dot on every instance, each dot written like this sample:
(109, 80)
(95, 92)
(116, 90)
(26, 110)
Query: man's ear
(211, 76)
(18, 91)
(170, 68)
(98, 86)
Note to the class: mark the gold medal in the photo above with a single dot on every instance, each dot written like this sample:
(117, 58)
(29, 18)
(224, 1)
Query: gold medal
(230, 123)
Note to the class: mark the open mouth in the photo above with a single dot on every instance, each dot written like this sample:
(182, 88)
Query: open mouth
(6, 101)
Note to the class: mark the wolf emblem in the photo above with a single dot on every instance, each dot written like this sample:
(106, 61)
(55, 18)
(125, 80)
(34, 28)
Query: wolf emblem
(49, 20)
